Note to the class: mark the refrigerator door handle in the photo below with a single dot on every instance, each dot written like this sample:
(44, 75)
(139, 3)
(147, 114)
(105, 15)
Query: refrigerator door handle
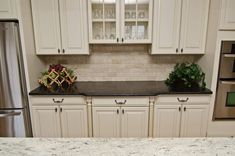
(3, 115)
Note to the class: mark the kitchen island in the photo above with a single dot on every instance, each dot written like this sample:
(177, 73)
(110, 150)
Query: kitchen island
(117, 147)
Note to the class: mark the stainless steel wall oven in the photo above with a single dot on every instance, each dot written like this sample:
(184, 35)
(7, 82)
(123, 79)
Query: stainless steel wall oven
(225, 95)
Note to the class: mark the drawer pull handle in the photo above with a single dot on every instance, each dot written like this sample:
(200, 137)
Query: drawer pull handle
(117, 111)
(123, 111)
(58, 101)
(186, 100)
(55, 109)
(184, 108)
(179, 109)
(120, 103)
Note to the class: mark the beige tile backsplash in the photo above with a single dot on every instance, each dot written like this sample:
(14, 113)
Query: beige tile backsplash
(120, 63)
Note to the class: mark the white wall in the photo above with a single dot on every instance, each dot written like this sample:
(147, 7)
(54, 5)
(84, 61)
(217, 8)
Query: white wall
(35, 64)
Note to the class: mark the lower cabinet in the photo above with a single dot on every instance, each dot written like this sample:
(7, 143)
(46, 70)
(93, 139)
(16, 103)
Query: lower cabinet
(120, 121)
(60, 119)
(46, 120)
(181, 117)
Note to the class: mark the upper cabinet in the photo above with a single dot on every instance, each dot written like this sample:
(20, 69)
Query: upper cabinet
(120, 21)
(8, 9)
(227, 19)
(180, 26)
(60, 26)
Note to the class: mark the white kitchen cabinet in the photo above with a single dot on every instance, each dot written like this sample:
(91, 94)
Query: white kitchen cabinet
(166, 30)
(120, 21)
(120, 116)
(60, 26)
(227, 18)
(194, 121)
(181, 116)
(8, 9)
(180, 26)
(59, 117)
(167, 120)
(46, 121)
(74, 121)
(106, 122)
(134, 122)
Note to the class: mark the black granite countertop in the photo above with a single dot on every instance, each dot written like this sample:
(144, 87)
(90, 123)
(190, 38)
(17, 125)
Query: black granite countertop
(115, 88)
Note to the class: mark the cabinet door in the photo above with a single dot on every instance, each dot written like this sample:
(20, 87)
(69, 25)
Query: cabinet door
(104, 20)
(46, 121)
(166, 28)
(194, 121)
(106, 121)
(46, 26)
(134, 122)
(194, 26)
(136, 21)
(74, 121)
(227, 19)
(73, 16)
(166, 120)
(8, 9)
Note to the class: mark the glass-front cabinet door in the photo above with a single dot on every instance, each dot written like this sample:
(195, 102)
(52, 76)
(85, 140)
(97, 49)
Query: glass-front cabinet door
(137, 21)
(120, 21)
(104, 21)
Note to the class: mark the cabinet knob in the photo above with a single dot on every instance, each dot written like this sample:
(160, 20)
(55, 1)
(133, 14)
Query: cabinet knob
(177, 50)
(179, 109)
(184, 108)
(123, 111)
(55, 109)
(117, 111)
(117, 39)
(63, 51)
(122, 40)
(61, 109)
(182, 50)
(58, 50)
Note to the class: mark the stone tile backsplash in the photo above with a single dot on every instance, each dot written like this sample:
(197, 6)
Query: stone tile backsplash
(120, 63)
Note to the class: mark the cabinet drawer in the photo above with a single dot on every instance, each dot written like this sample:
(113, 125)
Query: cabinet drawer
(120, 101)
(176, 99)
(45, 100)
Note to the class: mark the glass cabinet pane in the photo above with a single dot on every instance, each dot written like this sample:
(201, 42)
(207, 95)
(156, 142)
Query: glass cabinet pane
(130, 31)
(97, 29)
(110, 9)
(110, 31)
(130, 9)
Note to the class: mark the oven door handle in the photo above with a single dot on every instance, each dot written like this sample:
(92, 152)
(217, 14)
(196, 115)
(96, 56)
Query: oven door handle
(228, 82)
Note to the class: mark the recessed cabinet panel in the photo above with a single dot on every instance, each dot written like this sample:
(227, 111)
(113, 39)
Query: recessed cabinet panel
(73, 26)
(106, 121)
(46, 121)
(167, 120)
(166, 32)
(194, 121)
(194, 26)
(227, 19)
(8, 9)
(74, 121)
(134, 122)
(46, 26)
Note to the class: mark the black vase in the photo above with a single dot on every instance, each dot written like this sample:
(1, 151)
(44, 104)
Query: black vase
(179, 86)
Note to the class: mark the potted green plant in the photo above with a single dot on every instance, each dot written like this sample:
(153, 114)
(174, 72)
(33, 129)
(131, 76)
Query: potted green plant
(186, 77)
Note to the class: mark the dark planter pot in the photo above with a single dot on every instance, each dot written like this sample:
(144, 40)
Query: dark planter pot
(179, 86)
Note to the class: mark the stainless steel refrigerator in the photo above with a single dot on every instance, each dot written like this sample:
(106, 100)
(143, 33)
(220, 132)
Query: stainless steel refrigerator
(14, 110)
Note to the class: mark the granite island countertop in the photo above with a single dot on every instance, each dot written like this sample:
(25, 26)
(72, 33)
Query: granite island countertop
(117, 147)
(115, 88)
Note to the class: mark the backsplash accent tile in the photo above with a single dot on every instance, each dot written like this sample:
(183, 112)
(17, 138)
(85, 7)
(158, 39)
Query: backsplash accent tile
(121, 63)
